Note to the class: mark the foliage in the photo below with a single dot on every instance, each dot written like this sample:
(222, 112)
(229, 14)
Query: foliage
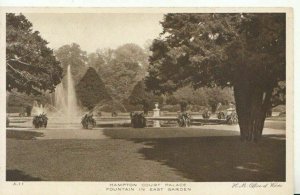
(22, 114)
(221, 115)
(114, 114)
(96, 60)
(120, 69)
(40, 121)
(243, 50)
(30, 65)
(15, 98)
(109, 105)
(232, 119)
(217, 95)
(197, 108)
(28, 110)
(203, 96)
(171, 100)
(91, 90)
(213, 49)
(88, 121)
(279, 94)
(171, 108)
(72, 55)
(184, 119)
(206, 114)
(138, 120)
(139, 95)
(183, 105)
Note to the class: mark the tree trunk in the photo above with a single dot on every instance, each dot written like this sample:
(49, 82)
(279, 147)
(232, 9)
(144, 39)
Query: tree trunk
(269, 112)
(252, 104)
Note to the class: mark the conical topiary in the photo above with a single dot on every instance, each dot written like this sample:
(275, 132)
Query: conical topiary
(91, 89)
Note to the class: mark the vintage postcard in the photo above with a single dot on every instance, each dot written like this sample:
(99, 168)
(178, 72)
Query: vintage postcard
(147, 101)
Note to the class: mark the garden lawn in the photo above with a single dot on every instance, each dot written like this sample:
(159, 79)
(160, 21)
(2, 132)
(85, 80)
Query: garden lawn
(146, 155)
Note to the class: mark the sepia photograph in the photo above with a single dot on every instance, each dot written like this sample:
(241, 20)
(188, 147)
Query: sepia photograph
(148, 97)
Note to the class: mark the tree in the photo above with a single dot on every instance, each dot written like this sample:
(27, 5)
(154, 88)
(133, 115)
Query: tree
(30, 65)
(183, 105)
(278, 97)
(22, 100)
(217, 95)
(142, 97)
(172, 100)
(246, 51)
(120, 69)
(203, 96)
(91, 90)
(72, 55)
(279, 94)
(96, 61)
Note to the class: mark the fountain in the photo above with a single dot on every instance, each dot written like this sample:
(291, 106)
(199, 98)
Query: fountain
(59, 99)
(65, 98)
(37, 109)
(72, 108)
(65, 109)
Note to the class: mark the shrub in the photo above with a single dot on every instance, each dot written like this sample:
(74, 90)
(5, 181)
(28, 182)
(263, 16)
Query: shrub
(28, 110)
(232, 119)
(40, 121)
(172, 100)
(197, 108)
(184, 119)
(221, 115)
(109, 106)
(206, 114)
(138, 120)
(88, 122)
(91, 89)
(183, 105)
(114, 114)
(171, 108)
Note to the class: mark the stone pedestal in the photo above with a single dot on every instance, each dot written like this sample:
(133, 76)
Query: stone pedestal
(156, 113)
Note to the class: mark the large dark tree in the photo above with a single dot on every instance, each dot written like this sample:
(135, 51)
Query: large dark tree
(30, 65)
(91, 90)
(246, 51)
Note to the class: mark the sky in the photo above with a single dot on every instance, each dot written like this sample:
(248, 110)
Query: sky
(99, 30)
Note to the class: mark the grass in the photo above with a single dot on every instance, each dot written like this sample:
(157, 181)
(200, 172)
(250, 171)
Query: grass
(83, 160)
(276, 118)
(146, 155)
(23, 135)
(275, 125)
(220, 158)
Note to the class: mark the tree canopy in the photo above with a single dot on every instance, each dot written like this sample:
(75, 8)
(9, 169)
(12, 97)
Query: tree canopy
(218, 49)
(120, 68)
(243, 50)
(75, 57)
(31, 66)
